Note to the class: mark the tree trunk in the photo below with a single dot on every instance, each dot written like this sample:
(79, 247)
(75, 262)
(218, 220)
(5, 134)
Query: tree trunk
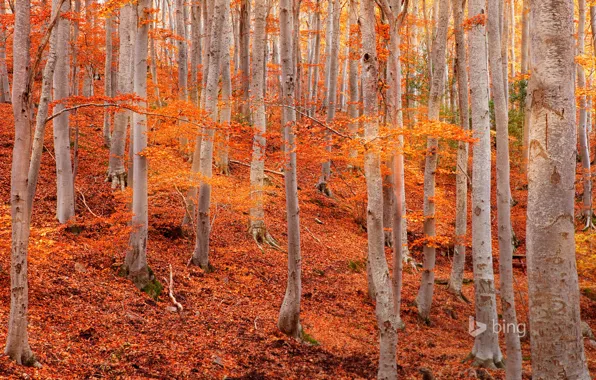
(289, 313)
(584, 142)
(257, 227)
(525, 58)
(354, 98)
(331, 98)
(244, 57)
(210, 94)
(556, 345)
(136, 258)
(17, 340)
(425, 293)
(117, 171)
(314, 83)
(486, 351)
(108, 87)
(4, 82)
(461, 180)
(225, 115)
(195, 52)
(514, 357)
(65, 209)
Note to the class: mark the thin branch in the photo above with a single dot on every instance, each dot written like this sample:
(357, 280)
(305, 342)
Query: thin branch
(248, 165)
(86, 205)
(171, 292)
(317, 121)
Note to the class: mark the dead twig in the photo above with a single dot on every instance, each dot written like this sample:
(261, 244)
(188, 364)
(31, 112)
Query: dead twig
(86, 205)
(171, 291)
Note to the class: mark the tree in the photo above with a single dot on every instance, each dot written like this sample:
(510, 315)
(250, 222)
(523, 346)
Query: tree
(136, 258)
(556, 345)
(353, 87)
(313, 73)
(244, 43)
(584, 145)
(65, 203)
(425, 293)
(117, 171)
(461, 179)
(182, 58)
(108, 85)
(210, 94)
(289, 313)
(17, 340)
(195, 51)
(486, 351)
(4, 81)
(384, 309)
(499, 90)
(225, 114)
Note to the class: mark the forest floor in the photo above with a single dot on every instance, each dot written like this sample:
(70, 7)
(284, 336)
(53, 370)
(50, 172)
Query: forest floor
(87, 322)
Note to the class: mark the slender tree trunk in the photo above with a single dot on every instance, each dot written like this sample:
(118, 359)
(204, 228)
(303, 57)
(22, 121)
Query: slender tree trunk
(244, 56)
(65, 209)
(486, 351)
(4, 82)
(257, 227)
(312, 96)
(514, 357)
(331, 98)
(354, 98)
(385, 312)
(512, 26)
(225, 115)
(525, 58)
(289, 313)
(117, 171)
(557, 344)
(210, 94)
(182, 62)
(136, 258)
(195, 52)
(584, 143)
(108, 87)
(425, 293)
(461, 180)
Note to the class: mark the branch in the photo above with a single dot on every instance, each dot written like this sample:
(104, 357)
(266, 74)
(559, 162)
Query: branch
(86, 205)
(171, 291)
(317, 121)
(248, 165)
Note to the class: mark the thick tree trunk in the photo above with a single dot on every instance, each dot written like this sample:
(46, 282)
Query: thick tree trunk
(385, 313)
(556, 345)
(136, 258)
(4, 81)
(108, 87)
(514, 356)
(584, 142)
(210, 94)
(289, 313)
(117, 171)
(425, 293)
(17, 340)
(486, 351)
(461, 180)
(65, 208)
(257, 227)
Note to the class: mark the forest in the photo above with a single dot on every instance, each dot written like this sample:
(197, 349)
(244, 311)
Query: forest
(297, 189)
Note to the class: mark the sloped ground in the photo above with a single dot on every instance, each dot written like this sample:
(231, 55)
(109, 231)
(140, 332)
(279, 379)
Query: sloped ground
(86, 322)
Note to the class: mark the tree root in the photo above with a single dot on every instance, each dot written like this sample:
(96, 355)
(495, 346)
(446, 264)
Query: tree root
(117, 179)
(261, 236)
(324, 189)
(483, 363)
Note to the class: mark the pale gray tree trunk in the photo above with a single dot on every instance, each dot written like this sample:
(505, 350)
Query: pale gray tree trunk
(108, 86)
(512, 31)
(257, 227)
(525, 58)
(425, 293)
(210, 94)
(244, 43)
(486, 351)
(289, 313)
(556, 339)
(584, 145)
(225, 115)
(4, 81)
(354, 94)
(17, 340)
(384, 308)
(136, 258)
(117, 171)
(182, 61)
(65, 208)
(314, 68)
(332, 42)
(195, 52)
(461, 180)
(513, 361)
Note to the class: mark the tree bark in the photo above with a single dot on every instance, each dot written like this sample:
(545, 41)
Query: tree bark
(108, 87)
(136, 258)
(461, 180)
(314, 68)
(195, 52)
(556, 345)
(486, 351)
(384, 310)
(425, 293)
(4, 81)
(65, 208)
(244, 56)
(525, 58)
(354, 94)
(17, 340)
(225, 115)
(289, 313)
(513, 363)
(210, 94)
